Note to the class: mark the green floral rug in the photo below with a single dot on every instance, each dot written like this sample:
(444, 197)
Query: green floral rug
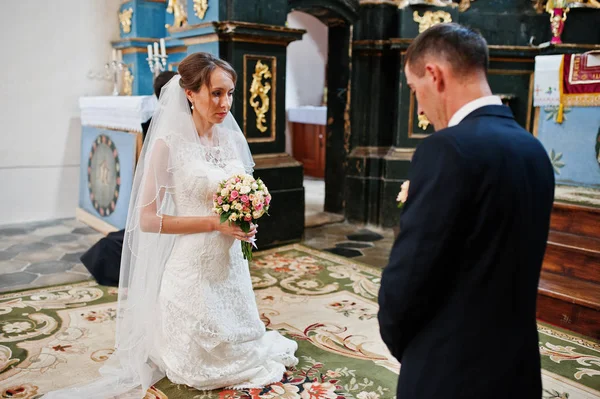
(59, 336)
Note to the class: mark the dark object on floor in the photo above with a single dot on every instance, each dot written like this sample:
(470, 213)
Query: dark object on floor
(354, 245)
(103, 259)
(365, 235)
(346, 252)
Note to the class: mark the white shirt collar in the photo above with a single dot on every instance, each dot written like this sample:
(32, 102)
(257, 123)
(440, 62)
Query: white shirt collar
(472, 106)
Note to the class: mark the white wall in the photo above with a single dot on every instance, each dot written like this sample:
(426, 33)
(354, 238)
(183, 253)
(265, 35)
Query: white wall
(49, 47)
(306, 61)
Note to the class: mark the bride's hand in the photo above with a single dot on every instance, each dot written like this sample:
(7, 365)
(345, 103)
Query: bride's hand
(233, 230)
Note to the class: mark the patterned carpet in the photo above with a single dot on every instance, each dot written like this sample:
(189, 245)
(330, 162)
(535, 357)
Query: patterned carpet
(61, 335)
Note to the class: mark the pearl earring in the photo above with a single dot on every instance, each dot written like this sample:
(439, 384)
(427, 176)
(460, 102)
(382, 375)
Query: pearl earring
(192, 107)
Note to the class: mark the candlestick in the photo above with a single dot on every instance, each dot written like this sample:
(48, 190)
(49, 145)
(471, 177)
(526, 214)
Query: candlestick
(157, 62)
(162, 47)
(114, 67)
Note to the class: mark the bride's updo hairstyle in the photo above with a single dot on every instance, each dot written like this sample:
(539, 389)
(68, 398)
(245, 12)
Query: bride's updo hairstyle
(196, 69)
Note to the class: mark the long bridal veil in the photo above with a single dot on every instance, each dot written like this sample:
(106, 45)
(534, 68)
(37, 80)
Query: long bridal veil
(134, 365)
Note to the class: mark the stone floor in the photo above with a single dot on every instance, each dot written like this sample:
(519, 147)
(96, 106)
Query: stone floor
(47, 253)
(314, 200)
(367, 245)
(42, 254)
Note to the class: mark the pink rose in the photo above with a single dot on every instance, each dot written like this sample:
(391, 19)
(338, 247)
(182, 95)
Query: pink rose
(219, 200)
(244, 198)
(215, 197)
(245, 209)
(268, 199)
(258, 207)
(237, 179)
(248, 218)
(234, 195)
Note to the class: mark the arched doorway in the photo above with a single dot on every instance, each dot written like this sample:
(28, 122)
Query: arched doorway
(338, 16)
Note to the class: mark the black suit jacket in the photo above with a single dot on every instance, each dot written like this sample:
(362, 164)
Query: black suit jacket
(458, 297)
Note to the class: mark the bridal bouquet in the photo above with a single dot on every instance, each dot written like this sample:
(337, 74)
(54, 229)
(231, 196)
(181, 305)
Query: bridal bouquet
(403, 194)
(242, 200)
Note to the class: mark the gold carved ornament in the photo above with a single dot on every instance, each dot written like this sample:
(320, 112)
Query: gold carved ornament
(431, 18)
(177, 8)
(200, 7)
(127, 82)
(260, 89)
(541, 5)
(423, 121)
(125, 20)
(463, 5)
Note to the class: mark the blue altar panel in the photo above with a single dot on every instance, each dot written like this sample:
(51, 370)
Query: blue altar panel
(143, 78)
(174, 60)
(106, 173)
(148, 19)
(574, 145)
(212, 48)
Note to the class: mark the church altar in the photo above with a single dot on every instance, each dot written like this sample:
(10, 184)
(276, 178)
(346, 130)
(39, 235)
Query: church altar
(567, 92)
(111, 141)
(117, 112)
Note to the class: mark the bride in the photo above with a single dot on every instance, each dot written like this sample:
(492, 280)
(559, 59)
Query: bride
(186, 305)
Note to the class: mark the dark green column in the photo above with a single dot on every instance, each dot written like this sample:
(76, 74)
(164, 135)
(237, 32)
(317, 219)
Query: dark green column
(338, 116)
(374, 87)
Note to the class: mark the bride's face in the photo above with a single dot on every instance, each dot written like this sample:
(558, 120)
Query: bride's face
(212, 103)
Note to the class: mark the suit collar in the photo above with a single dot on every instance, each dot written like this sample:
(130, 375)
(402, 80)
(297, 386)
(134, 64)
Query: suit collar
(501, 111)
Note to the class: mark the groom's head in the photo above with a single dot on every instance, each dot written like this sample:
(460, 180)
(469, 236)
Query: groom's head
(444, 64)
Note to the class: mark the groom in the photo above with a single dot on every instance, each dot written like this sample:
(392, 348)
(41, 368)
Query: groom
(458, 297)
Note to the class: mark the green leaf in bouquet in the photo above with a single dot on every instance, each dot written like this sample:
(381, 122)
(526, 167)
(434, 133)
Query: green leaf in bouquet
(225, 216)
(245, 226)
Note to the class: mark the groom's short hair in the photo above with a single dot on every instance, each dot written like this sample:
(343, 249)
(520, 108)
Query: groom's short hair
(161, 80)
(462, 47)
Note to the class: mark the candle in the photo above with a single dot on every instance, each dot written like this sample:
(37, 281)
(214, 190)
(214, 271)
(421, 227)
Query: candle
(120, 56)
(155, 48)
(162, 47)
(114, 54)
(150, 51)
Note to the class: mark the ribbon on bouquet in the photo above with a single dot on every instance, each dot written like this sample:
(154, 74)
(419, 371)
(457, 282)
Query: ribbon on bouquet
(252, 240)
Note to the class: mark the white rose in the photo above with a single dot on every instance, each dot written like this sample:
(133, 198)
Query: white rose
(226, 207)
(224, 192)
(239, 207)
(233, 217)
(245, 190)
(238, 186)
(254, 186)
(403, 194)
(257, 214)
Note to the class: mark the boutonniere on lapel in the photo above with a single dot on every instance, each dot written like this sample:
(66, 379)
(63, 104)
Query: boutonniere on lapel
(403, 194)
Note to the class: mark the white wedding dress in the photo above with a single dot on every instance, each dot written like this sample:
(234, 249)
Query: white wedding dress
(186, 307)
(211, 332)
